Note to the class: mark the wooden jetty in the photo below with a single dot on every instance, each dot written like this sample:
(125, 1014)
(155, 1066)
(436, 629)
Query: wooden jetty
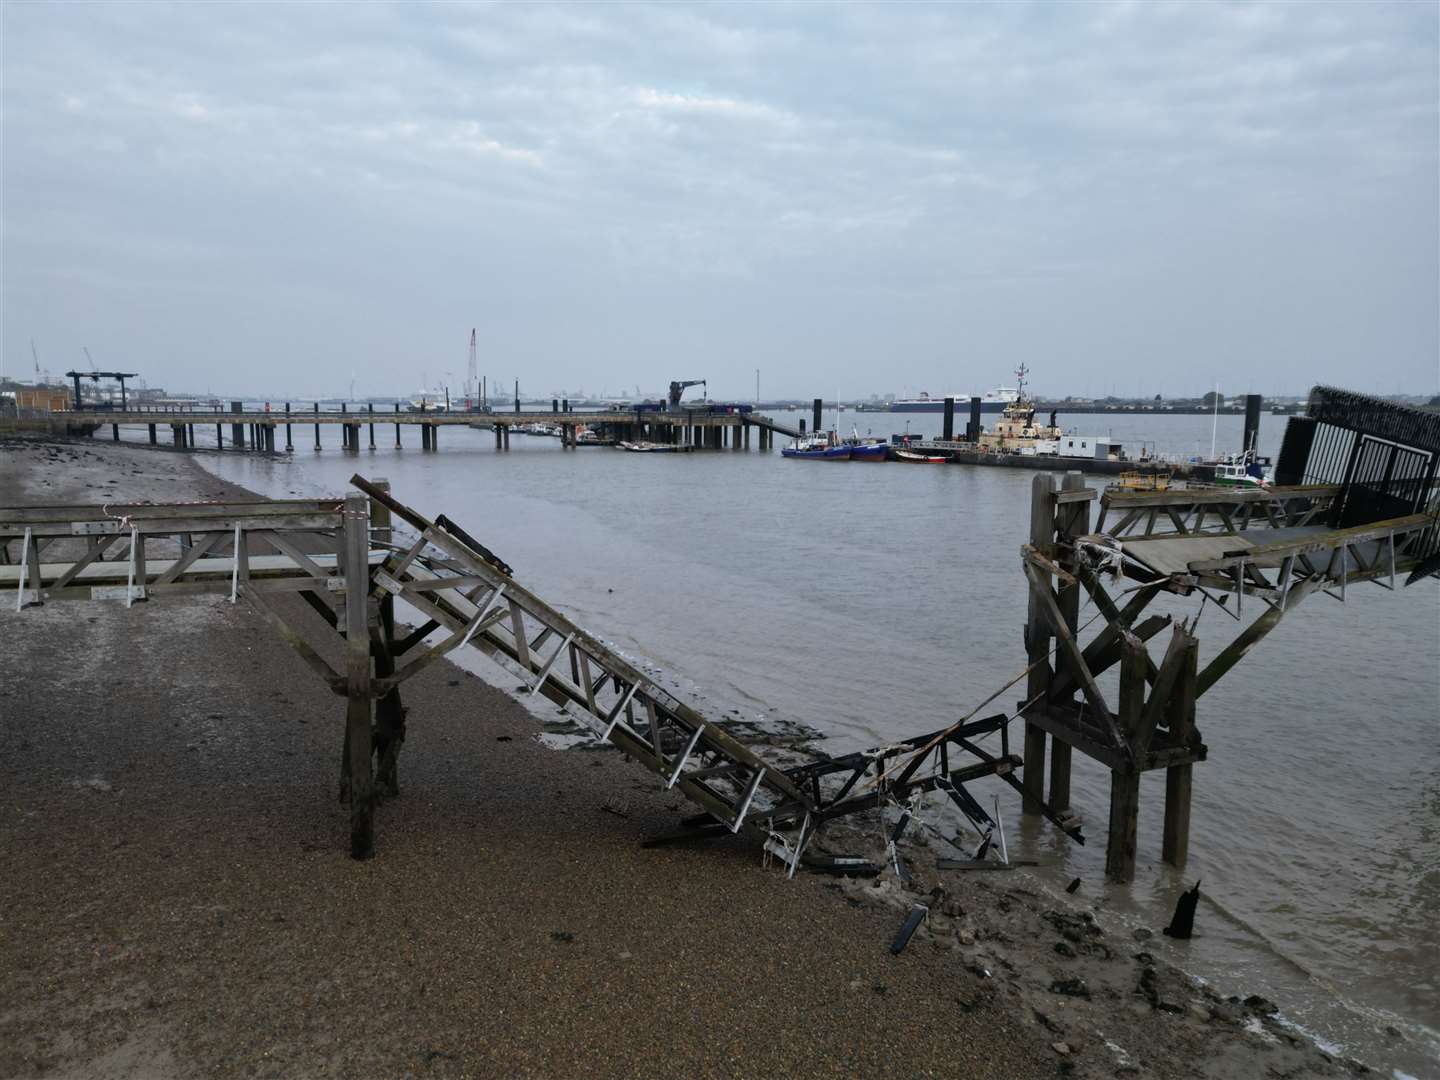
(260, 430)
(1356, 504)
(326, 574)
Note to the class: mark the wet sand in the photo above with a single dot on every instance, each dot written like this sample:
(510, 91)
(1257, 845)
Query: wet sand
(176, 899)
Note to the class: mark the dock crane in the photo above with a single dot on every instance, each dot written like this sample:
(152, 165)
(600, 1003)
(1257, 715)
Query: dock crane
(678, 387)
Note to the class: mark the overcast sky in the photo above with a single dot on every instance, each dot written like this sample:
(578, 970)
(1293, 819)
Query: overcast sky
(855, 199)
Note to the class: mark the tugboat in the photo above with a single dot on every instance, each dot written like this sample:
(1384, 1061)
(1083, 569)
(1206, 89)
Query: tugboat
(1016, 431)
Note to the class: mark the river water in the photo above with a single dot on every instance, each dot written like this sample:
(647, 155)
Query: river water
(876, 601)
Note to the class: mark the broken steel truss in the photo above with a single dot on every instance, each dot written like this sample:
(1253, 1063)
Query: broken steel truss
(326, 575)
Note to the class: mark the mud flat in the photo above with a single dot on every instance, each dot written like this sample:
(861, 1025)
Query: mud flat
(176, 899)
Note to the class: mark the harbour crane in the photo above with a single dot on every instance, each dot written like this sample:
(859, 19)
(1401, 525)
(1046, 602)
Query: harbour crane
(678, 387)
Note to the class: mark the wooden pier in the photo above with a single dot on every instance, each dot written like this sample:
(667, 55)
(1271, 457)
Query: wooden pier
(264, 430)
(326, 576)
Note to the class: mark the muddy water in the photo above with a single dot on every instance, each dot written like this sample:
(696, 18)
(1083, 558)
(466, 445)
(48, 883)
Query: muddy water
(873, 601)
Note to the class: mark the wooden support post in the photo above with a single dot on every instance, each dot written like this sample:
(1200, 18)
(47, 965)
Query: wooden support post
(389, 711)
(357, 676)
(1072, 520)
(1125, 783)
(1175, 846)
(1037, 642)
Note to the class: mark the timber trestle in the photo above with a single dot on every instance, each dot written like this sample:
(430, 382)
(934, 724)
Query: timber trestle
(327, 575)
(1360, 507)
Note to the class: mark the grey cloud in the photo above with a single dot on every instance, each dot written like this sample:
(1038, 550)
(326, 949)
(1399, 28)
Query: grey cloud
(855, 197)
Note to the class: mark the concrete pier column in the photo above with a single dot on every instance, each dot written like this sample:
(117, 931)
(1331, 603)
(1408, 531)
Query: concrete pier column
(506, 431)
(498, 437)
(178, 434)
(972, 430)
(397, 426)
(220, 436)
(152, 433)
(817, 407)
(317, 426)
(371, 407)
(434, 436)
(949, 431)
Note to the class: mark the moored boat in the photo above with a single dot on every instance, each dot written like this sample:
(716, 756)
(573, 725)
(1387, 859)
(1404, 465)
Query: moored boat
(817, 447)
(918, 459)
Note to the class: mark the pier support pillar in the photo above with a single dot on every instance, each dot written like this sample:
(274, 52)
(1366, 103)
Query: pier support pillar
(1037, 642)
(1125, 783)
(289, 444)
(220, 436)
(178, 434)
(317, 426)
(115, 432)
(358, 746)
(506, 434)
(1175, 844)
(152, 433)
(434, 436)
(397, 427)
(498, 440)
(237, 436)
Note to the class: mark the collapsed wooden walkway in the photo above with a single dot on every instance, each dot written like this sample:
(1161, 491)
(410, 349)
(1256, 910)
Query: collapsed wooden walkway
(345, 561)
(1357, 504)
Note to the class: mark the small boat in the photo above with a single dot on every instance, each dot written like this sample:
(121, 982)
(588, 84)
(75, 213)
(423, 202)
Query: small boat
(918, 459)
(650, 448)
(865, 450)
(817, 447)
(1240, 470)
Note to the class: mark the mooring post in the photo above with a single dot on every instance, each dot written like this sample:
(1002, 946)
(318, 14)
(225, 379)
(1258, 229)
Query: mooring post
(288, 444)
(1071, 521)
(1037, 642)
(1176, 836)
(317, 425)
(397, 426)
(1125, 783)
(371, 406)
(357, 676)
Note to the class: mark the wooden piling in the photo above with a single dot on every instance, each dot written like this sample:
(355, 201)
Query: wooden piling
(1175, 844)
(357, 676)
(1125, 783)
(1037, 641)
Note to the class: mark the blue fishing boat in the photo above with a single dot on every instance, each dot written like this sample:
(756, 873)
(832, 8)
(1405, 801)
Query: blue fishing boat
(818, 448)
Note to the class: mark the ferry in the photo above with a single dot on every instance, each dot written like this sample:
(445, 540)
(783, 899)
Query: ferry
(993, 401)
